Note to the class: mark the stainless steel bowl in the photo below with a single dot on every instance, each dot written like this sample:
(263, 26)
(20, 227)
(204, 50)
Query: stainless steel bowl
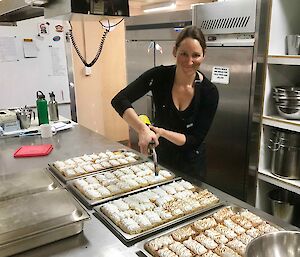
(276, 244)
(286, 89)
(288, 103)
(289, 113)
(286, 97)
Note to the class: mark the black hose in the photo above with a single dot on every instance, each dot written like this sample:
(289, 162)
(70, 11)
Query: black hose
(99, 48)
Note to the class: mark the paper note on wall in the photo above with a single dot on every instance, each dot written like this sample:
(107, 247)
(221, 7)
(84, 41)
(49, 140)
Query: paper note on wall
(30, 49)
(220, 75)
(58, 67)
(8, 50)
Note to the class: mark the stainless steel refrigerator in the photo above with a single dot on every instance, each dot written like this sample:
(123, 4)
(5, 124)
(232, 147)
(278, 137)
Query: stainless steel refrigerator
(234, 31)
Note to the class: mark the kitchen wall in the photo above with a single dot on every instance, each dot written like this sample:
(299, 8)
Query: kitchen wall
(94, 92)
(40, 66)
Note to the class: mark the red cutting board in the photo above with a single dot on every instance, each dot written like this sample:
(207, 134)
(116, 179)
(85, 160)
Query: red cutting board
(33, 150)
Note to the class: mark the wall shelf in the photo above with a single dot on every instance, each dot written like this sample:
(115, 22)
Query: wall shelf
(289, 184)
(281, 70)
(279, 122)
(284, 59)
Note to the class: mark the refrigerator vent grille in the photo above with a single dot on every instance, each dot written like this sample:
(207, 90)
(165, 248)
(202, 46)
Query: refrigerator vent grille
(229, 17)
(225, 23)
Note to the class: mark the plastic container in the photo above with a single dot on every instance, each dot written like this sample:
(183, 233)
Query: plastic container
(53, 108)
(42, 108)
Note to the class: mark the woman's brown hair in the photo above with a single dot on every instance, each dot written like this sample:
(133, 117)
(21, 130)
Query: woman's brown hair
(191, 32)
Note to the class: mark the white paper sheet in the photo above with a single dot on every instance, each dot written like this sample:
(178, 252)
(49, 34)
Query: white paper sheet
(8, 50)
(30, 49)
(58, 68)
(220, 75)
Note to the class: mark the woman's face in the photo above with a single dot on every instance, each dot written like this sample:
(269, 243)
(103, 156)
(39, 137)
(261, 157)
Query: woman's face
(189, 55)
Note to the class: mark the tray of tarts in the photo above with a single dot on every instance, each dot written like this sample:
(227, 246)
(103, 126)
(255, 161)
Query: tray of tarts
(98, 188)
(225, 232)
(83, 165)
(137, 215)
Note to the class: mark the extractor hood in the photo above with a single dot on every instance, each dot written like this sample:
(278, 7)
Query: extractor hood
(67, 9)
(17, 10)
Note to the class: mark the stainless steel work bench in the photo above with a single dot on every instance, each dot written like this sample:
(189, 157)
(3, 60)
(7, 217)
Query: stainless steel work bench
(96, 239)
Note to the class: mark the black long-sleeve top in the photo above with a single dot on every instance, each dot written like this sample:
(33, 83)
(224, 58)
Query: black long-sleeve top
(194, 122)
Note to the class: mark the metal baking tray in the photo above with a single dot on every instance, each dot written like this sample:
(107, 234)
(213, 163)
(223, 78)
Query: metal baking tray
(90, 203)
(38, 219)
(235, 208)
(64, 179)
(127, 238)
(29, 182)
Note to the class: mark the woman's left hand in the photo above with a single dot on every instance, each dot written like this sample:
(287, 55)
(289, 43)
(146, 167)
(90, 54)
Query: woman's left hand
(158, 131)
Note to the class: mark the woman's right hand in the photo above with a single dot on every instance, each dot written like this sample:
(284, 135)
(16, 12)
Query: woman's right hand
(145, 137)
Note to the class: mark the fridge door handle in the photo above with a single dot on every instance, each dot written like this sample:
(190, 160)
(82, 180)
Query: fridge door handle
(151, 46)
(158, 48)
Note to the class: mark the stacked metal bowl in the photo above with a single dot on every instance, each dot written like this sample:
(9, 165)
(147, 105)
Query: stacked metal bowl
(276, 244)
(287, 100)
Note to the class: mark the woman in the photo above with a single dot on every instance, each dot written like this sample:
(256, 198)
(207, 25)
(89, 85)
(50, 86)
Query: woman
(185, 104)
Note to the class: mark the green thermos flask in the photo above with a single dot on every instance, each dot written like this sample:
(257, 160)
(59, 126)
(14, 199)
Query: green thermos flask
(42, 108)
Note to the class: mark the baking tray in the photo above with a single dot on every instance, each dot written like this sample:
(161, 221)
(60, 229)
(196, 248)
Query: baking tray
(64, 179)
(40, 239)
(29, 182)
(235, 208)
(128, 238)
(90, 203)
(37, 219)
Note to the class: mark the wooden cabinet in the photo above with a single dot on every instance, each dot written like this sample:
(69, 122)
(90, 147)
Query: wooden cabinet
(281, 70)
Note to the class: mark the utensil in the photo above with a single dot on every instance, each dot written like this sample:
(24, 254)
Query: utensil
(285, 156)
(289, 113)
(288, 89)
(285, 204)
(286, 162)
(281, 243)
(24, 115)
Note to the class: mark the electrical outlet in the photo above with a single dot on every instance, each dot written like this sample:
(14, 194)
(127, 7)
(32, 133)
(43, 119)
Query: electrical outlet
(88, 71)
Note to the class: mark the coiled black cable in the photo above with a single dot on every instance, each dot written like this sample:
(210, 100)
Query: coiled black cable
(99, 48)
(110, 26)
